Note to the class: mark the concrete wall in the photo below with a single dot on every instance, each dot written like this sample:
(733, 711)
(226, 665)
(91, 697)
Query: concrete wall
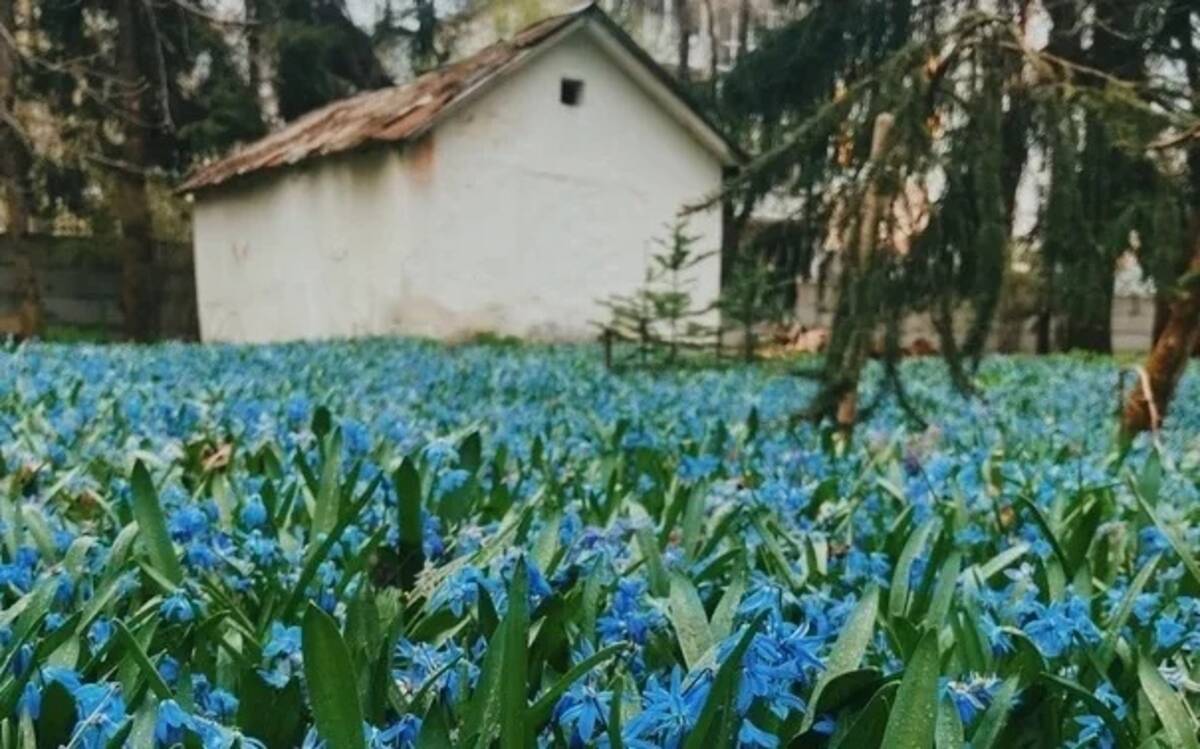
(1132, 323)
(515, 216)
(80, 282)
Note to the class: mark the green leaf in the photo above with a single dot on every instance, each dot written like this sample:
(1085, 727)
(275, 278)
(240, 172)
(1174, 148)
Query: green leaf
(57, 716)
(913, 718)
(542, 707)
(994, 718)
(723, 616)
(1181, 548)
(949, 732)
(329, 496)
(898, 595)
(408, 502)
(1172, 711)
(153, 525)
(1094, 703)
(155, 679)
(614, 716)
(943, 592)
(332, 684)
(717, 713)
(689, 620)
(1001, 561)
(273, 716)
(849, 649)
(660, 584)
(470, 453)
(868, 726)
(515, 683)
(1125, 608)
(435, 734)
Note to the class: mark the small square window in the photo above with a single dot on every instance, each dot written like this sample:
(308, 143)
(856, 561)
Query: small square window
(570, 91)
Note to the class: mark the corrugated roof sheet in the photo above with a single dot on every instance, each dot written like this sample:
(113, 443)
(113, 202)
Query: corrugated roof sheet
(386, 115)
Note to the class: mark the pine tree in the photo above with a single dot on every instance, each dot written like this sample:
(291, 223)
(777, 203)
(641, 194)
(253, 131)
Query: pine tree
(968, 99)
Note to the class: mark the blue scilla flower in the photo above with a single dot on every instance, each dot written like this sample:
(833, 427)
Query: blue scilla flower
(972, 696)
(582, 713)
(399, 735)
(171, 723)
(861, 566)
(1093, 734)
(451, 481)
(263, 551)
(220, 704)
(100, 711)
(253, 513)
(282, 655)
(461, 590)
(751, 736)
(629, 617)
(296, 411)
(356, 440)
(99, 634)
(16, 575)
(186, 523)
(439, 452)
(670, 711)
(177, 609)
(1145, 605)
(1055, 628)
(417, 662)
(199, 556)
(1168, 632)
(698, 467)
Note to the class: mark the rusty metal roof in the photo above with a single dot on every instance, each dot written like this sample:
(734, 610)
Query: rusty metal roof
(387, 115)
(400, 113)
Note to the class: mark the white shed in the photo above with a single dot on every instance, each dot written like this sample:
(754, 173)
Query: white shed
(505, 193)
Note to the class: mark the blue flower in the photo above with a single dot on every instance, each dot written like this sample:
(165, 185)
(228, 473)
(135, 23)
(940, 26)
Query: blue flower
(582, 712)
(99, 633)
(177, 609)
(750, 735)
(171, 723)
(282, 655)
(1168, 632)
(670, 711)
(253, 514)
(971, 697)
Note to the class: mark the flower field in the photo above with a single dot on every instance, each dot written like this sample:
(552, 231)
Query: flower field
(395, 544)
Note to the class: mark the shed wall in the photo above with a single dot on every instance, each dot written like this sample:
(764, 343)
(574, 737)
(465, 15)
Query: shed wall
(514, 216)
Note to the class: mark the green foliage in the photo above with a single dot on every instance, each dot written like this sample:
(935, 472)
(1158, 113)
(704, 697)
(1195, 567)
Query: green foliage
(660, 318)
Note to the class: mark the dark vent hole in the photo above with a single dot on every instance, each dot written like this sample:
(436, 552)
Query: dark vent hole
(570, 91)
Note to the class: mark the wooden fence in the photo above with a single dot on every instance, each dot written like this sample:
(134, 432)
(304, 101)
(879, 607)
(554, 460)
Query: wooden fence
(80, 280)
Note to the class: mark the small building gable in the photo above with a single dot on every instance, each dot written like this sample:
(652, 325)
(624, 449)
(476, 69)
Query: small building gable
(404, 113)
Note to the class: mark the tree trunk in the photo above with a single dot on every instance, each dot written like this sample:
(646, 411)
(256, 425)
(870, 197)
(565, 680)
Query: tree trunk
(743, 40)
(714, 45)
(854, 324)
(14, 179)
(140, 288)
(260, 62)
(683, 21)
(1169, 357)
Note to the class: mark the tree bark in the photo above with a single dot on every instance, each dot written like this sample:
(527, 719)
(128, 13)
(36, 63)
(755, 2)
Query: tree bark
(743, 31)
(14, 178)
(140, 288)
(1146, 405)
(684, 44)
(856, 316)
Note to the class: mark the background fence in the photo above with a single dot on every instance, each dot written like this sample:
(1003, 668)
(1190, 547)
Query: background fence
(1132, 323)
(80, 279)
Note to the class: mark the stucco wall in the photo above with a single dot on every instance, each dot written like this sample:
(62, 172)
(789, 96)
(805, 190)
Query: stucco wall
(514, 216)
